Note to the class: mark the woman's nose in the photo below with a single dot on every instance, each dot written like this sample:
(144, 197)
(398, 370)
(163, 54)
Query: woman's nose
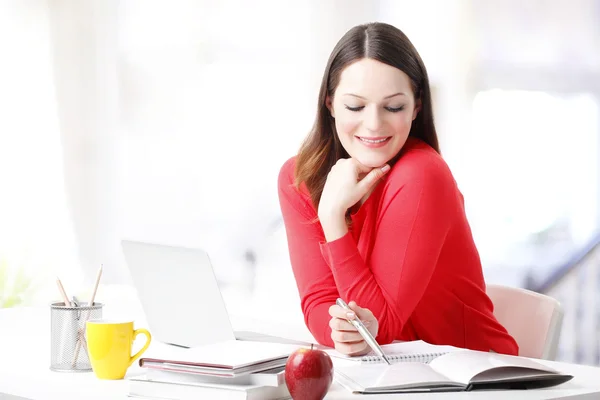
(373, 119)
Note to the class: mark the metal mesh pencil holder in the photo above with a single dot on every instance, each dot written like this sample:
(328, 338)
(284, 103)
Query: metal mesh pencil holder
(68, 345)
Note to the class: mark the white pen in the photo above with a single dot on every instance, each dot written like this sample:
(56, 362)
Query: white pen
(364, 332)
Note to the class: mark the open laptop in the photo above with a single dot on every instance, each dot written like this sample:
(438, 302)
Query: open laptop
(179, 293)
(180, 296)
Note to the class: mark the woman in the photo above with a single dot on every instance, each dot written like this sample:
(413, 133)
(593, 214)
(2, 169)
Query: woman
(373, 214)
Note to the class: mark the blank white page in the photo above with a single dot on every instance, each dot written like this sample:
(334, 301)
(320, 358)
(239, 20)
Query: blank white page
(464, 365)
(382, 377)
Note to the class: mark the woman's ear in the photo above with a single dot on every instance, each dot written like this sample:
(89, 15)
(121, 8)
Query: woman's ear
(417, 108)
(329, 106)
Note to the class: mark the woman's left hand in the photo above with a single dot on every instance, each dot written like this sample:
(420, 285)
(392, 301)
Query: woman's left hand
(345, 337)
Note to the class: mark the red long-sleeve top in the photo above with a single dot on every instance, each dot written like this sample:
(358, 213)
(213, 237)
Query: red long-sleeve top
(409, 257)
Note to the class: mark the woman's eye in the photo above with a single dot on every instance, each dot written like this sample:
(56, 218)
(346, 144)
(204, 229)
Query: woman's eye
(354, 108)
(395, 109)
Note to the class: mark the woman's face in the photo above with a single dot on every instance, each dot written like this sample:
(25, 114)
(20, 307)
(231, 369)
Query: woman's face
(373, 107)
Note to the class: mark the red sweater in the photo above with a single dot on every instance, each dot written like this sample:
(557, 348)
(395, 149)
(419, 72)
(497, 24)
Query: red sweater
(409, 257)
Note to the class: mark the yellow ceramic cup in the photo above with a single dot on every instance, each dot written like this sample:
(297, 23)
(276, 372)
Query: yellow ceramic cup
(109, 347)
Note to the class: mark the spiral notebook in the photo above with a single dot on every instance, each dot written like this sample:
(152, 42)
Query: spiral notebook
(413, 351)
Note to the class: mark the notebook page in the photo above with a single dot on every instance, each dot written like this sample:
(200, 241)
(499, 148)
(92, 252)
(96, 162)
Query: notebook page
(230, 354)
(410, 351)
(379, 377)
(416, 347)
(462, 366)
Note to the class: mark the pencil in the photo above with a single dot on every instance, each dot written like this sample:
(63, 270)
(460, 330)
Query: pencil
(90, 304)
(61, 289)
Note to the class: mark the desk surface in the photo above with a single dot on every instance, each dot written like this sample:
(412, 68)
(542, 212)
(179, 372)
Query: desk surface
(25, 357)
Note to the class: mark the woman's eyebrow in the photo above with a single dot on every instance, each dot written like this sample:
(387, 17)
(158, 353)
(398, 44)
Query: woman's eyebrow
(386, 97)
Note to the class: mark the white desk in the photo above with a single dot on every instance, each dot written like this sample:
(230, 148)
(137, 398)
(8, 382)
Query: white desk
(25, 357)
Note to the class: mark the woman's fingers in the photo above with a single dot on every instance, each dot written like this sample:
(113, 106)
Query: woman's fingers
(363, 313)
(339, 324)
(361, 168)
(346, 336)
(352, 348)
(338, 312)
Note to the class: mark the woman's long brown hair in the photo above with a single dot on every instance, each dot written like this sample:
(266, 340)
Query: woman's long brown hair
(384, 43)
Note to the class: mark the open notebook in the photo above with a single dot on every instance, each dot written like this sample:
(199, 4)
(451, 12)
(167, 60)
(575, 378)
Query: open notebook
(228, 358)
(454, 371)
(413, 351)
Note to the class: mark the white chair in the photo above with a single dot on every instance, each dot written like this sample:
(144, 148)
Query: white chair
(534, 320)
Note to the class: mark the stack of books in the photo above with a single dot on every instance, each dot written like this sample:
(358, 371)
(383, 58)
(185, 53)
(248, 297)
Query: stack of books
(226, 370)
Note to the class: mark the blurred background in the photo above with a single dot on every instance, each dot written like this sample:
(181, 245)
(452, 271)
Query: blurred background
(168, 122)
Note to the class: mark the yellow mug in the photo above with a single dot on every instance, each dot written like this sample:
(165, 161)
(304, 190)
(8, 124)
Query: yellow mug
(109, 347)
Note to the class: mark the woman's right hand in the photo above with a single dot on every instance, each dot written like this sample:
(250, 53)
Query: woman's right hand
(345, 336)
(347, 182)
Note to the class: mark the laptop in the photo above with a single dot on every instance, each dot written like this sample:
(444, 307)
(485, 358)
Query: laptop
(179, 294)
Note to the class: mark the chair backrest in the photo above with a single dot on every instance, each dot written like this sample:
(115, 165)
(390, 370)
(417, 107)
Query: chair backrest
(534, 320)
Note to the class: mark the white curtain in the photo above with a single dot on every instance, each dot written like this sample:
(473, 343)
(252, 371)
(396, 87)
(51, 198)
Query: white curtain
(84, 43)
(59, 153)
(36, 238)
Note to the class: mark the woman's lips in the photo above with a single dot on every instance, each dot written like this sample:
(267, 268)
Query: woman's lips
(374, 142)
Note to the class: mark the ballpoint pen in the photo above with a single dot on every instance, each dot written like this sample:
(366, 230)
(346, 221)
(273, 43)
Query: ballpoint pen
(364, 332)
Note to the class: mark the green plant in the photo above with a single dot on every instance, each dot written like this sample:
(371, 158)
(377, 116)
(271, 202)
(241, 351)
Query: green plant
(15, 288)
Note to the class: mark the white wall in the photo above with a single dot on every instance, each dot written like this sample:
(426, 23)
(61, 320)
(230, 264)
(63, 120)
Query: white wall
(172, 121)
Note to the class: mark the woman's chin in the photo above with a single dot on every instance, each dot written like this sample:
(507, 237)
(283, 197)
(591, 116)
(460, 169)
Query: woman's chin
(372, 162)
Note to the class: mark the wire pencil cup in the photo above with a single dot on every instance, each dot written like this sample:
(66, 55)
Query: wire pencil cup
(67, 325)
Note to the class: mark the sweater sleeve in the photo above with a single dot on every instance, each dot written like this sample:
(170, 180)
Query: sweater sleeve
(313, 276)
(412, 227)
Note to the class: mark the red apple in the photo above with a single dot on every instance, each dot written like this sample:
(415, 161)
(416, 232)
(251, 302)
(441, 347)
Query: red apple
(308, 374)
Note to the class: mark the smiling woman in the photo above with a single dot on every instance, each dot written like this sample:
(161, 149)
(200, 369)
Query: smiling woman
(373, 214)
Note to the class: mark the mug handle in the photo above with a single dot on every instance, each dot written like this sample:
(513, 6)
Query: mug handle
(148, 339)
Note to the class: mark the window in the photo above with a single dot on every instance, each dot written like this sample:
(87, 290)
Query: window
(533, 186)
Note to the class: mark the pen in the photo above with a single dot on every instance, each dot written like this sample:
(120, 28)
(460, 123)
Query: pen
(364, 332)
